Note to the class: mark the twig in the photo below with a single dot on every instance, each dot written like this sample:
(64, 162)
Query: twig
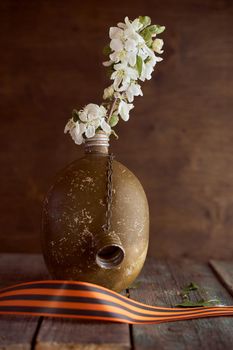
(112, 108)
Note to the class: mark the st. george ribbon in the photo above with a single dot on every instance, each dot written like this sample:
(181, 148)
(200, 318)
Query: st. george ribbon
(81, 300)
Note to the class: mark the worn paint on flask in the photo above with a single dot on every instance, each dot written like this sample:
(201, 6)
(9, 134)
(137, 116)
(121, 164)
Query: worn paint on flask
(74, 243)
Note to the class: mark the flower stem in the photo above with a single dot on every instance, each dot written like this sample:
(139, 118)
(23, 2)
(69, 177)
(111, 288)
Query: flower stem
(112, 108)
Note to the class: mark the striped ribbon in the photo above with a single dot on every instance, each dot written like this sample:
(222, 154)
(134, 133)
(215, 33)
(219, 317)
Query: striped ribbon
(83, 300)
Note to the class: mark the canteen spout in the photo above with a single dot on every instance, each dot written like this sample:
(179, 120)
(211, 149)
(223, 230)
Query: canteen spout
(110, 252)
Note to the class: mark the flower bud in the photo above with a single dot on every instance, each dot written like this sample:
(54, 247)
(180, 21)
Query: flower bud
(108, 92)
(157, 46)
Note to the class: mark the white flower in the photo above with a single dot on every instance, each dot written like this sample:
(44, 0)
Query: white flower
(132, 40)
(77, 133)
(134, 89)
(131, 45)
(93, 116)
(118, 56)
(132, 50)
(108, 92)
(116, 45)
(148, 67)
(123, 75)
(147, 70)
(69, 125)
(124, 42)
(124, 109)
(92, 112)
(158, 45)
(105, 126)
(144, 51)
(116, 33)
(76, 130)
(134, 26)
(131, 59)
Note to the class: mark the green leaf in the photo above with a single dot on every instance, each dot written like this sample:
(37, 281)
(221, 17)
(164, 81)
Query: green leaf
(139, 63)
(152, 29)
(107, 50)
(75, 115)
(191, 286)
(186, 302)
(149, 43)
(202, 302)
(145, 20)
(114, 119)
(159, 29)
(187, 289)
(147, 36)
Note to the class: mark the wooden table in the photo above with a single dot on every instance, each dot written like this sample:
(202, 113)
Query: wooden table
(159, 284)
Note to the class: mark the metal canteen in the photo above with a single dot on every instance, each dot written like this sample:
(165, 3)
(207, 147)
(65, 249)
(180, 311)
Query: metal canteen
(77, 243)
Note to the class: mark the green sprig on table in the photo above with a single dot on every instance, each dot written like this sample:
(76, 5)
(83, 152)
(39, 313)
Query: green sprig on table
(187, 302)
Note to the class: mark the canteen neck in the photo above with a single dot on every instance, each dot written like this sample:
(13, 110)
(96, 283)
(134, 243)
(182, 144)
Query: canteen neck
(97, 144)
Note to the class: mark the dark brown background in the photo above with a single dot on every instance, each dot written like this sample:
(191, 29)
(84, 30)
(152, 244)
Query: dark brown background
(179, 140)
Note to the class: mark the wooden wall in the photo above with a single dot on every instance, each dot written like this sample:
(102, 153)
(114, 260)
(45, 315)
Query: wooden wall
(179, 140)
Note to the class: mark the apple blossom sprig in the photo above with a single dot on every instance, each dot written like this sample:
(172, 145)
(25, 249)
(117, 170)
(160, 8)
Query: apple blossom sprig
(131, 59)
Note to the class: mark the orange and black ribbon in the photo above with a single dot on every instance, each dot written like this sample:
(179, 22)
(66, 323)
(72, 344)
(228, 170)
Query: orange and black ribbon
(83, 300)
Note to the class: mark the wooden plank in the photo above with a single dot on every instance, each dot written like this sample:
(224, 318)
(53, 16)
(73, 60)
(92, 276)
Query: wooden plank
(17, 332)
(160, 284)
(52, 333)
(64, 334)
(224, 270)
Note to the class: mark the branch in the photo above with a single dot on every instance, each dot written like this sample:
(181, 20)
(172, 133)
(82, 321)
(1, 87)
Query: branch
(112, 108)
